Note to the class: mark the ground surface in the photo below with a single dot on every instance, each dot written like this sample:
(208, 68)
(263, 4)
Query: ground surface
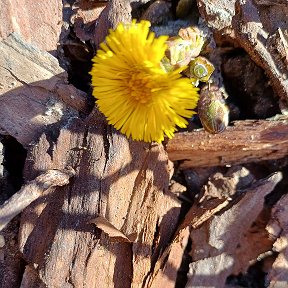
(129, 217)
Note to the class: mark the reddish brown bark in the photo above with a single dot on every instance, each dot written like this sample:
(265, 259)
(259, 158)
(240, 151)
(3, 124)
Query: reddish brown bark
(139, 241)
(246, 141)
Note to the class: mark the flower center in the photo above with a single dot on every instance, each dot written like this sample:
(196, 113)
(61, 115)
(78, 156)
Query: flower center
(140, 86)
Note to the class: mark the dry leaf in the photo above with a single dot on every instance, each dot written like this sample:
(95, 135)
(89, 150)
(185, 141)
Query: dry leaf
(113, 233)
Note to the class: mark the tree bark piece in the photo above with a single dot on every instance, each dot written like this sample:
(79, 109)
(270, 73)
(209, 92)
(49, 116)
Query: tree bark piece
(30, 192)
(113, 233)
(254, 26)
(31, 86)
(165, 271)
(278, 228)
(210, 272)
(246, 141)
(256, 30)
(32, 22)
(84, 18)
(218, 15)
(223, 234)
(215, 239)
(117, 179)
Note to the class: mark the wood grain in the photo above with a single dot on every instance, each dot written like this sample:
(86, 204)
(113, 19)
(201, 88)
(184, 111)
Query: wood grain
(34, 93)
(246, 141)
(121, 180)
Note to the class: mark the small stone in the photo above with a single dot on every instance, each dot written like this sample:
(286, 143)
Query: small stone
(157, 13)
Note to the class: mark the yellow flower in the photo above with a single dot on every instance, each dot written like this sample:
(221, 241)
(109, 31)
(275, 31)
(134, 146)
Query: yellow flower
(135, 94)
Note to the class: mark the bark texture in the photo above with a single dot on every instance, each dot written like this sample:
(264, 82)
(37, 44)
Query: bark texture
(118, 223)
(122, 181)
(35, 94)
(32, 20)
(247, 141)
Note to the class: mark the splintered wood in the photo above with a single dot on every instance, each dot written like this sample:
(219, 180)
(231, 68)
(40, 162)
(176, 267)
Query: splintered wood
(253, 25)
(217, 240)
(119, 180)
(246, 141)
(34, 91)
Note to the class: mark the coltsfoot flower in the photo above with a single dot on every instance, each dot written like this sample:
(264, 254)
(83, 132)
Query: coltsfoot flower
(136, 95)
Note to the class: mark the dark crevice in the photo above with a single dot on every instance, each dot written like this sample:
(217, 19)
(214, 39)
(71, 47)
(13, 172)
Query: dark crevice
(14, 159)
(13, 267)
(182, 274)
(254, 278)
(154, 245)
(250, 94)
(75, 56)
(79, 55)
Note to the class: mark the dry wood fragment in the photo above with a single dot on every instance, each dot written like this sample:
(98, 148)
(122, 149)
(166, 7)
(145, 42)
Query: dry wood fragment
(32, 191)
(34, 93)
(84, 18)
(210, 272)
(218, 19)
(120, 180)
(229, 224)
(115, 12)
(258, 27)
(214, 195)
(165, 271)
(196, 216)
(30, 276)
(124, 181)
(246, 141)
(223, 234)
(225, 186)
(32, 22)
(255, 28)
(216, 237)
(278, 228)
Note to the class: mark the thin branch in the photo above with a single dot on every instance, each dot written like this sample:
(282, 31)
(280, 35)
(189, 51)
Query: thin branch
(32, 191)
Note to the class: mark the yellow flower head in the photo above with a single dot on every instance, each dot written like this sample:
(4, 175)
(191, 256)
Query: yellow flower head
(135, 94)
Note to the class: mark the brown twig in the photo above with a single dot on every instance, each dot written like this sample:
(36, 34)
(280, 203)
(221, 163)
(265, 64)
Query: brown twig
(31, 191)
